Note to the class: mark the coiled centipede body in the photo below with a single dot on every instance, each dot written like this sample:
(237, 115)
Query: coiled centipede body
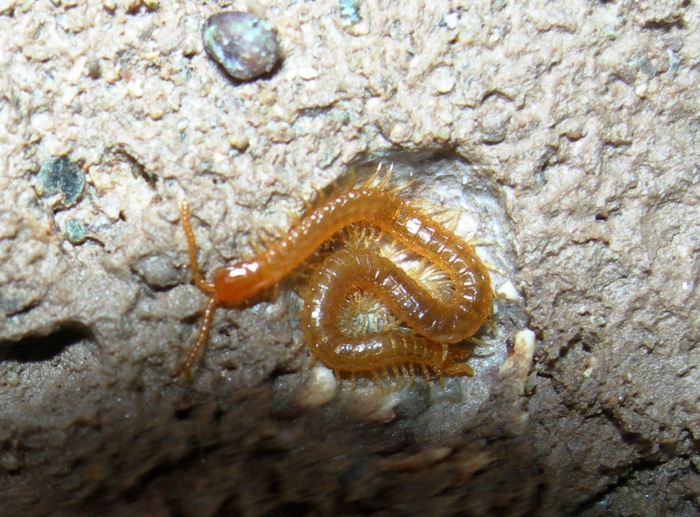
(430, 324)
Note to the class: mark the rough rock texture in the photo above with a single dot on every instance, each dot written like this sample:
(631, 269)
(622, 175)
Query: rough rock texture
(576, 122)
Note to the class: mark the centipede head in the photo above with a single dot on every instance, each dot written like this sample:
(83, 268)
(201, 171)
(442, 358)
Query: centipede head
(234, 285)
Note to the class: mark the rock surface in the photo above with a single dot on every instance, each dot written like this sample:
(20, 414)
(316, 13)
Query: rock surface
(574, 123)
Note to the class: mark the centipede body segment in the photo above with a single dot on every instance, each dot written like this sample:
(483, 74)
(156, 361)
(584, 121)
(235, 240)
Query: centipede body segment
(430, 324)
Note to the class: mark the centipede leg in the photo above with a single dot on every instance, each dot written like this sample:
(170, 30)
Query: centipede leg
(384, 181)
(202, 338)
(405, 373)
(386, 375)
(338, 378)
(353, 381)
(411, 375)
(491, 267)
(370, 181)
(401, 188)
(378, 381)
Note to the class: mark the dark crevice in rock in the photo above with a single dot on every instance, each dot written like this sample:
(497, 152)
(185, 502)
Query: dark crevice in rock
(40, 348)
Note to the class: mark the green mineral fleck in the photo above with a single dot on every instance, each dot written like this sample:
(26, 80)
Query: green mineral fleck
(59, 175)
(75, 231)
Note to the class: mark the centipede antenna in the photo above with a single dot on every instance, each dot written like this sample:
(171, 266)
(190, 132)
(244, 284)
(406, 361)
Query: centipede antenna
(202, 338)
(192, 249)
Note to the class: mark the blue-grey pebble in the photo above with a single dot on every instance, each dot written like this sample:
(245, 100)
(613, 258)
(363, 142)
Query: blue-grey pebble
(244, 45)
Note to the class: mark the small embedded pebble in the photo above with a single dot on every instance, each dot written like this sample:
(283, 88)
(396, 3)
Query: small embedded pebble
(94, 70)
(520, 360)
(244, 45)
(508, 291)
(308, 72)
(320, 388)
(61, 176)
(371, 403)
(238, 141)
(443, 79)
(12, 378)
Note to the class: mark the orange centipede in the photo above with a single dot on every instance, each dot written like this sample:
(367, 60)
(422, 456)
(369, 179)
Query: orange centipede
(430, 324)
